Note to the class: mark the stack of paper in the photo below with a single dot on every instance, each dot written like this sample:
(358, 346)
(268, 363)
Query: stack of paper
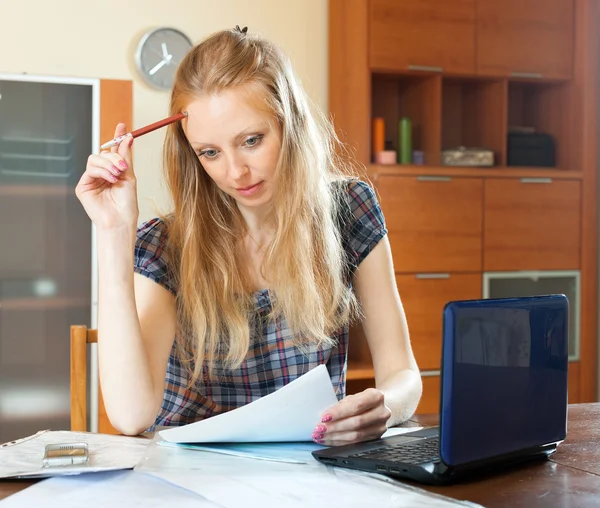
(23, 458)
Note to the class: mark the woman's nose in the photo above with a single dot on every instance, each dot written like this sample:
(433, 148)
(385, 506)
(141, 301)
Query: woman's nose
(238, 168)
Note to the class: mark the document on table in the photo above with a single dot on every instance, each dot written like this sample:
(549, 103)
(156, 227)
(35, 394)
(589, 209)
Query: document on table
(294, 453)
(23, 458)
(231, 482)
(288, 414)
(116, 489)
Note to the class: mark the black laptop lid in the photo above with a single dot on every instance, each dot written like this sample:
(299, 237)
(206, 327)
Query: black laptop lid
(504, 376)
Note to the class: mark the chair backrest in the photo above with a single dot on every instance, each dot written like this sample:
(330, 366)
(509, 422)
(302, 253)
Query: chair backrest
(81, 337)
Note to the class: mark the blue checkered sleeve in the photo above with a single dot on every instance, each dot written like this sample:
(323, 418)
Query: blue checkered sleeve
(150, 259)
(366, 226)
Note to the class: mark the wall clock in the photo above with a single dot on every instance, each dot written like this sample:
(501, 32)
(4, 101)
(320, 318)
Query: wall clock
(158, 55)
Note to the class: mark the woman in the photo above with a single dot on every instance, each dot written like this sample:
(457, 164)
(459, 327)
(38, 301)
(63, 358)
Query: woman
(270, 252)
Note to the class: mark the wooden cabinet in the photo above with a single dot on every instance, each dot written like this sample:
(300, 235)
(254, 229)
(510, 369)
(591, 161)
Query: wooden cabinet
(525, 37)
(532, 224)
(432, 35)
(430, 400)
(493, 65)
(434, 223)
(423, 298)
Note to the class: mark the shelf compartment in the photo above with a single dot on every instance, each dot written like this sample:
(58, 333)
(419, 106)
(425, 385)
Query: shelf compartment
(416, 96)
(474, 115)
(547, 107)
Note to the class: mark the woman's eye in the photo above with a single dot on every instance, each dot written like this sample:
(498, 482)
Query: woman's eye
(209, 154)
(253, 141)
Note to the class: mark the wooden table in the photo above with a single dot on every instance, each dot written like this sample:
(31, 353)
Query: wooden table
(570, 478)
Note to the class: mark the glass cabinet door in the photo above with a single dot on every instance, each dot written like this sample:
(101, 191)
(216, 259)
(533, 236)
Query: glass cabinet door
(514, 284)
(45, 249)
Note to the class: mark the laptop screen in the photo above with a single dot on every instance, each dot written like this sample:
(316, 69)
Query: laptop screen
(504, 376)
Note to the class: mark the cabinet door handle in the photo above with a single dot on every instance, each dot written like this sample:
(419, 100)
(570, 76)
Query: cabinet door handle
(431, 178)
(536, 180)
(432, 275)
(535, 75)
(425, 68)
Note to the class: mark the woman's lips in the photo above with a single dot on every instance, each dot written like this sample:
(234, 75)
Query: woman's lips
(249, 191)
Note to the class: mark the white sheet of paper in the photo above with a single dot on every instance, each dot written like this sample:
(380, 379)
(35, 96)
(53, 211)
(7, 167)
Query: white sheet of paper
(288, 414)
(396, 431)
(117, 489)
(23, 458)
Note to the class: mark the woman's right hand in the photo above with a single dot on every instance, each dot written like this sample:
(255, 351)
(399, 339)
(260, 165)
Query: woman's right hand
(107, 189)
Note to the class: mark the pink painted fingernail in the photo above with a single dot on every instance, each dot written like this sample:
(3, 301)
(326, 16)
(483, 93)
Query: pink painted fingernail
(326, 418)
(318, 436)
(320, 441)
(320, 429)
(123, 164)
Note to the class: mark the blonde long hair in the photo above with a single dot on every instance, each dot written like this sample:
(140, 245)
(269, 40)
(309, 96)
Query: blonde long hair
(305, 262)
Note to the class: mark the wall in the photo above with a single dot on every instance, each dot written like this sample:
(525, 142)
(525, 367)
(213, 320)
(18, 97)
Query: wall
(98, 39)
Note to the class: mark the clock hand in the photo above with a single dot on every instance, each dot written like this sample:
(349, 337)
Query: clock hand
(165, 51)
(158, 66)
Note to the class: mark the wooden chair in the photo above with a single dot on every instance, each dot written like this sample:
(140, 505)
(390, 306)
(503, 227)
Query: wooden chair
(81, 337)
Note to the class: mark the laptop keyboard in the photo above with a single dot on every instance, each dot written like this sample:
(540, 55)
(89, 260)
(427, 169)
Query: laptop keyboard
(419, 452)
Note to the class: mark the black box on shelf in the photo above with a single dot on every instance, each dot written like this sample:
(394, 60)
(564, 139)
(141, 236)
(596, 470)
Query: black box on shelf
(531, 149)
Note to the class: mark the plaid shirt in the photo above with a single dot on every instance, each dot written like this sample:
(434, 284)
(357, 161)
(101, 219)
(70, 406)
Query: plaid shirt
(272, 360)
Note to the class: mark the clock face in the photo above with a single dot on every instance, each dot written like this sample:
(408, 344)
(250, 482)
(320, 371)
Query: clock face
(159, 54)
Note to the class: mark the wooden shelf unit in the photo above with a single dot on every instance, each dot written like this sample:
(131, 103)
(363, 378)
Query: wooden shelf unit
(465, 72)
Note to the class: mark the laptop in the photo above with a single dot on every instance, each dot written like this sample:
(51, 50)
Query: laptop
(503, 395)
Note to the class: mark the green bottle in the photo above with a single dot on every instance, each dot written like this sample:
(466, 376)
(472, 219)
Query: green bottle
(405, 141)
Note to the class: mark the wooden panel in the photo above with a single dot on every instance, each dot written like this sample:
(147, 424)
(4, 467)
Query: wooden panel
(434, 226)
(423, 300)
(349, 78)
(574, 382)
(416, 97)
(430, 400)
(115, 106)
(532, 226)
(587, 58)
(78, 378)
(474, 115)
(430, 33)
(525, 36)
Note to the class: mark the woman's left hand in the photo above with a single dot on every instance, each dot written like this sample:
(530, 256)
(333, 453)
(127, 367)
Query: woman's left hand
(359, 417)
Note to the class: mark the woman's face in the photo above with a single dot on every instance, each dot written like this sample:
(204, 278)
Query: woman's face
(237, 142)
